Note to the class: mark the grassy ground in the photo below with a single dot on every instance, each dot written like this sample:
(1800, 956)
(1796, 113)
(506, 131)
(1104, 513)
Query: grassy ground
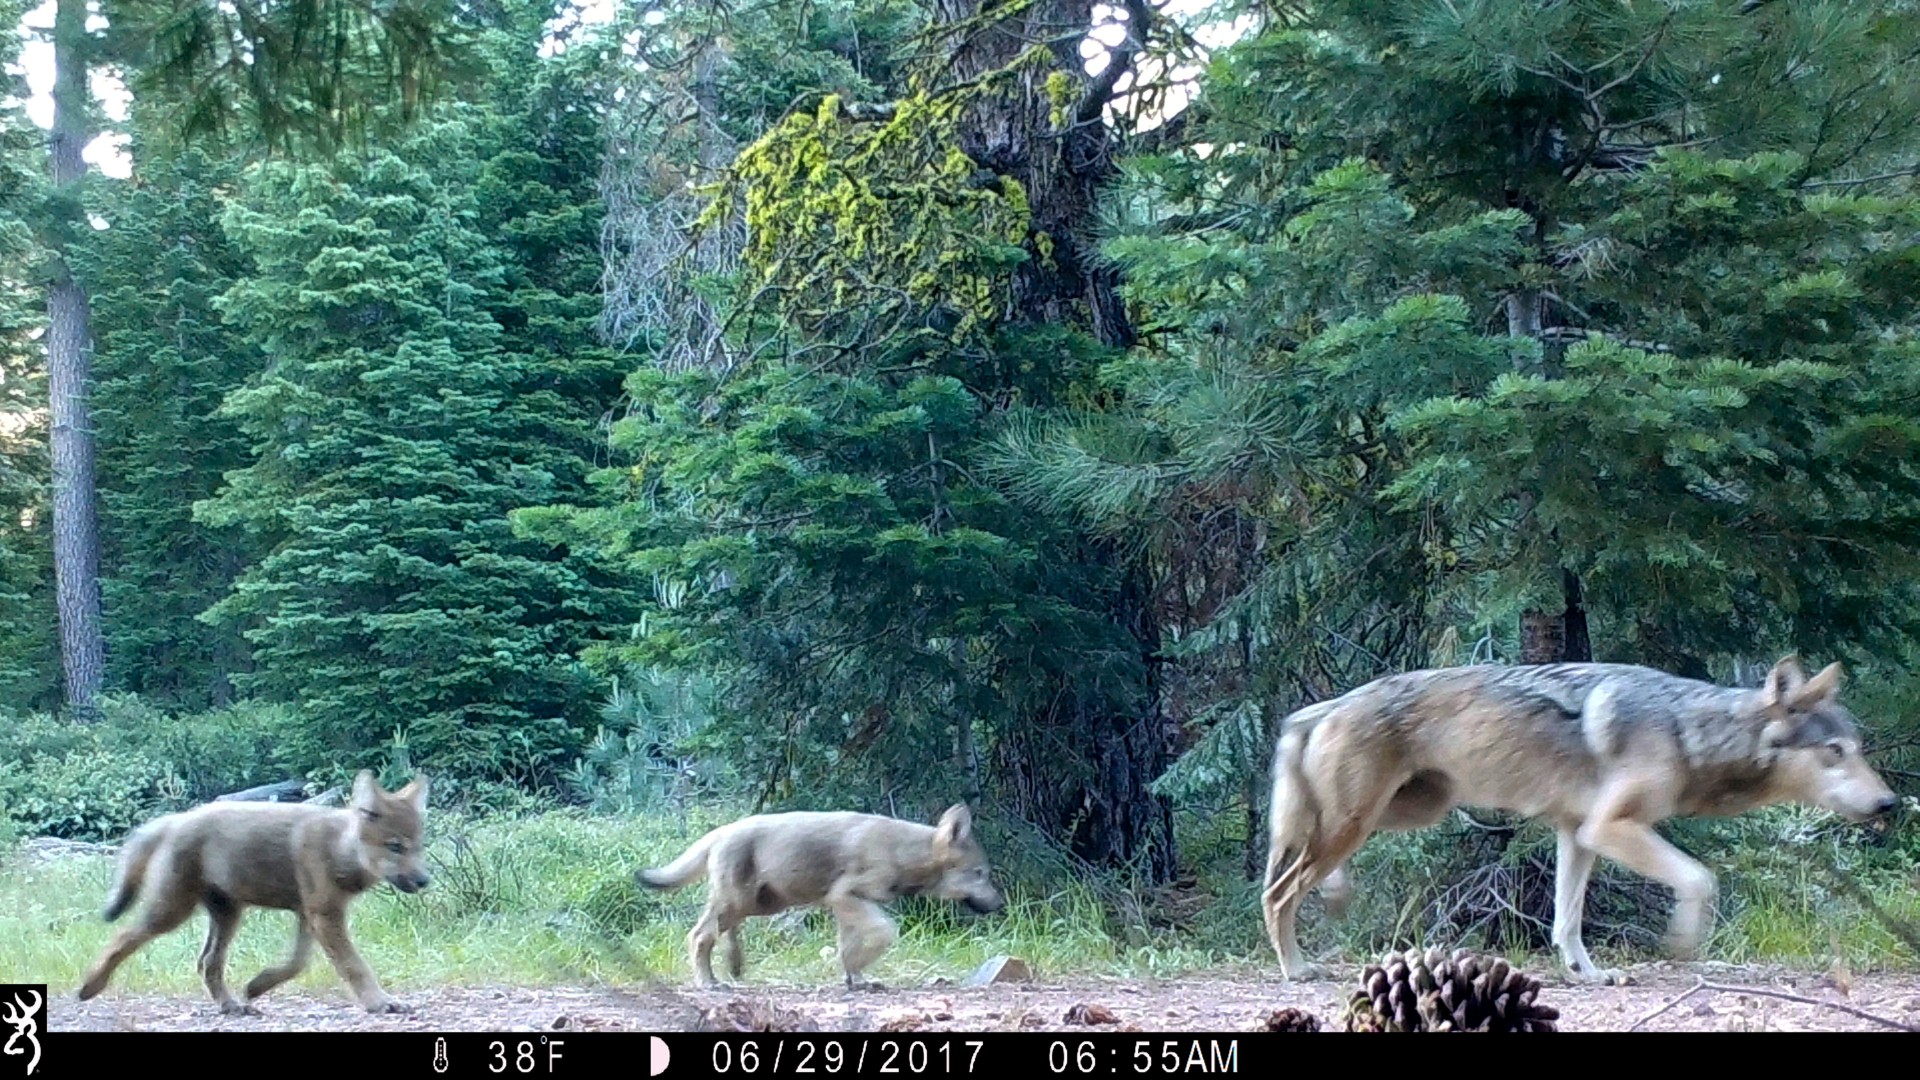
(539, 901)
(550, 900)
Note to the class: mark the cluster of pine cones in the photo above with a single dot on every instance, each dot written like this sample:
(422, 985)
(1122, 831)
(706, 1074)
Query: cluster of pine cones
(1433, 991)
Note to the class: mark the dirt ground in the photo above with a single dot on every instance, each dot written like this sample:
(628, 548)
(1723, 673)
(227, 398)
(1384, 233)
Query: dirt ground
(1186, 1004)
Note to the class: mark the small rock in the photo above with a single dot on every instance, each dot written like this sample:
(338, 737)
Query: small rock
(938, 983)
(903, 1022)
(1000, 969)
(1091, 1014)
(559, 1022)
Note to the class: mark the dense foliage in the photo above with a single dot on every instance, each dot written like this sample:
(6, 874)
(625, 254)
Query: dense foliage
(869, 403)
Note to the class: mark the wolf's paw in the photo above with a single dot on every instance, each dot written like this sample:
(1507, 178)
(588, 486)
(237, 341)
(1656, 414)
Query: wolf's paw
(1682, 946)
(235, 1008)
(1597, 976)
(867, 986)
(388, 1006)
(1308, 972)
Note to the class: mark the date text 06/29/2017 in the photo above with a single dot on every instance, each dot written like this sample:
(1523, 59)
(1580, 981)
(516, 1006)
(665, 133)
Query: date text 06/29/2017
(957, 1055)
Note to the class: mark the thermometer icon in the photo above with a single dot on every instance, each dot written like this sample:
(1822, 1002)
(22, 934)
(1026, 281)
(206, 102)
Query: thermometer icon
(440, 1055)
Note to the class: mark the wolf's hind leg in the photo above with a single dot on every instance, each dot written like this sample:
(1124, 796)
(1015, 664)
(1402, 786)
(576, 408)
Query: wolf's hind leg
(294, 965)
(171, 905)
(223, 921)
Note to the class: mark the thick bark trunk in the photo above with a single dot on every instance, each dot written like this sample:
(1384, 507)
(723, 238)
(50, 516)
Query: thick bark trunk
(1548, 636)
(1102, 803)
(1010, 131)
(76, 530)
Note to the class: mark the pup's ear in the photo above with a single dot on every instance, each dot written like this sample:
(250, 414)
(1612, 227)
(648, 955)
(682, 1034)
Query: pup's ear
(1785, 680)
(1822, 687)
(416, 793)
(956, 825)
(366, 791)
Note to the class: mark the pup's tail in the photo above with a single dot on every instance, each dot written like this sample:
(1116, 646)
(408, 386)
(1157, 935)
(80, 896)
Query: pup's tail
(684, 870)
(130, 872)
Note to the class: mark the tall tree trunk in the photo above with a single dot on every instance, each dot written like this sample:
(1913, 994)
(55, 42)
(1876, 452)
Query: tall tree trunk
(1102, 803)
(76, 528)
(1548, 635)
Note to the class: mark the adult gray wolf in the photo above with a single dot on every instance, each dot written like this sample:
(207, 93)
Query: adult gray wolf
(1602, 751)
(310, 860)
(845, 862)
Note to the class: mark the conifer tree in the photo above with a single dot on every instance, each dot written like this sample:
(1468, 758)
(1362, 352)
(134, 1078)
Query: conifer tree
(390, 596)
(29, 644)
(164, 362)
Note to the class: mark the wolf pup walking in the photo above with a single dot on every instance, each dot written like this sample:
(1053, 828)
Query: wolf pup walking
(847, 863)
(1602, 751)
(310, 860)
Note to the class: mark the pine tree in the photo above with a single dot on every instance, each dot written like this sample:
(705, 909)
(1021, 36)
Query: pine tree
(1574, 320)
(164, 362)
(29, 645)
(390, 595)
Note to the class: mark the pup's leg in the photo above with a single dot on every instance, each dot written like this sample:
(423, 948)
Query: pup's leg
(736, 957)
(172, 903)
(295, 964)
(864, 933)
(223, 921)
(716, 921)
(1615, 830)
(330, 927)
(1573, 866)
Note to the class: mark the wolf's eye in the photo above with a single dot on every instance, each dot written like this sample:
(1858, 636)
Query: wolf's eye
(1834, 751)
(397, 847)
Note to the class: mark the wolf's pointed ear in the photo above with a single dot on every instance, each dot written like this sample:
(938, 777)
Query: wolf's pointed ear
(416, 793)
(1785, 680)
(956, 825)
(366, 791)
(1822, 687)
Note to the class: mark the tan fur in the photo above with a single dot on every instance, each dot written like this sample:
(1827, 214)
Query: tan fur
(310, 860)
(1604, 752)
(847, 863)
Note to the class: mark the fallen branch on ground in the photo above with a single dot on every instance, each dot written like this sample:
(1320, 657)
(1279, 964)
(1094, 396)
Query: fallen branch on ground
(1726, 988)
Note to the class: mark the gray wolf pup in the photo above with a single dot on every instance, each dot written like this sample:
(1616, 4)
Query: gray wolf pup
(310, 860)
(844, 862)
(1604, 752)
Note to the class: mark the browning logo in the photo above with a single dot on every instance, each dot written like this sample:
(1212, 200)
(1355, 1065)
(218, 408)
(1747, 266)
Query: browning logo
(23, 1007)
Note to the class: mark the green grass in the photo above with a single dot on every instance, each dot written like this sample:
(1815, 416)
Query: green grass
(549, 899)
(544, 900)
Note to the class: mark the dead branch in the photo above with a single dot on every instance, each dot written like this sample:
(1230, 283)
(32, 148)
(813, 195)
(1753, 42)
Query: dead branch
(1729, 988)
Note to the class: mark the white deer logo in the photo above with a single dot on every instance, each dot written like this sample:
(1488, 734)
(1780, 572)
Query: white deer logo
(20, 1015)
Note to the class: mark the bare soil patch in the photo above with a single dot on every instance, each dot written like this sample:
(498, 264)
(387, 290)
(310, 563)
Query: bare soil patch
(1195, 1003)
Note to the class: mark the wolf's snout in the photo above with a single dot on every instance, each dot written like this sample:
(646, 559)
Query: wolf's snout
(985, 906)
(410, 883)
(1887, 806)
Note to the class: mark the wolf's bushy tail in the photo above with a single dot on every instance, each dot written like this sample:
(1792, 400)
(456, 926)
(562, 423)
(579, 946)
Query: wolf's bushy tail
(684, 870)
(130, 872)
(1292, 817)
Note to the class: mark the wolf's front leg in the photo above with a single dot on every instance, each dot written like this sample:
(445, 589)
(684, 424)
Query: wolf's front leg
(330, 929)
(864, 933)
(1635, 845)
(1573, 867)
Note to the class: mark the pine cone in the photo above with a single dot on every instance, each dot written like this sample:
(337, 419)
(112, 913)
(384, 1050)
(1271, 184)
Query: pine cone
(1431, 991)
(1292, 1020)
(1360, 1015)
